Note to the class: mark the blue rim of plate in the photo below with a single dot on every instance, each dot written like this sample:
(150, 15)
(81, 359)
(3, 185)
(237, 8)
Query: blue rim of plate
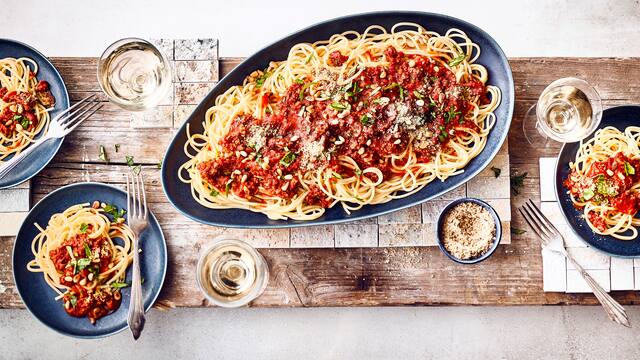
(171, 184)
(58, 87)
(494, 216)
(619, 117)
(45, 294)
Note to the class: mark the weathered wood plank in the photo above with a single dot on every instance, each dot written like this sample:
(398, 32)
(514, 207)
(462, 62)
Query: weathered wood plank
(337, 277)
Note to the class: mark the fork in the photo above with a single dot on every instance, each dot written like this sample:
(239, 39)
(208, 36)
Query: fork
(552, 240)
(60, 126)
(138, 219)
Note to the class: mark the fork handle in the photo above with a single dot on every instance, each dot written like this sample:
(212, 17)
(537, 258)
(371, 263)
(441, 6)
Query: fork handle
(16, 159)
(136, 317)
(614, 310)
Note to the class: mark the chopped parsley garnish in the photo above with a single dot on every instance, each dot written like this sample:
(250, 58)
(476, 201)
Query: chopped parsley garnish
(451, 114)
(103, 154)
(390, 86)
(83, 228)
(496, 171)
(83, 263)
(517, 231)
(113, 211)
(432, 102)
(336, 175)
(309, 59)
(159, 164)
(301, 94)
(628, 169)
(25, 122)
(214, 192)
(117, 147)
(129, 160)
(517, 182)
(288, 158)
(73, 300)
(605, 187)
(87, 251)
(457, 60)
(119, 285)
(358, 172)
(70, 251)
(400, 89)
(338, 106)
(262, 78)
(365, 120)
(227, 187)
(442, 137)
(134, 168)
(418, 95)
(299, 81)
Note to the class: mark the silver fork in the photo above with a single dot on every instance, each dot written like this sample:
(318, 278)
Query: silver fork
(137, 217)
(552, 240)
(59, 127)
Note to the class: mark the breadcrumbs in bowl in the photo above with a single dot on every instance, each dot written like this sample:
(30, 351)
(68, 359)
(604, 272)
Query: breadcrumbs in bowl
(468, 230)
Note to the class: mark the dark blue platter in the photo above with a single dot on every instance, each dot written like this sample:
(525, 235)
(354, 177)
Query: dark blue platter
(39, 297)
(38, 159)
(619, 117)
(492, 57)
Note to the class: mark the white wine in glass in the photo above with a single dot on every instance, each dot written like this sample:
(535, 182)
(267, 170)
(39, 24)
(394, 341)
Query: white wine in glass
(568, 110)
(232, 273)
(134, 74)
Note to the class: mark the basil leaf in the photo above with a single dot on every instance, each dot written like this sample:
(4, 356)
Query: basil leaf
(87, 251)
(457, 60)
(517, 231)
(496, 171)
(119, 285)
(288, 159)
(129, 159)
(365, 120)
(25, 123)
(588, 194)
(338, 106)
(73, 300)
(136, 169)
(628, 169)
(83, 228)
(214, 192)
(83, 263)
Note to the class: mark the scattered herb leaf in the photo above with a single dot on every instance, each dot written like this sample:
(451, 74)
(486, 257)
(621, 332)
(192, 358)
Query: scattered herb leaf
(262, 78)
(457, 60)
(214, 192)
(628, 169)
(103, 154)
(87, 251)
(83, 228)
(338, 106)
(496, 171)
(517, 182)
(117, 147)
(288, 159)
(587, 194)
(365, 120)
(517, 231)
(119, 285)
(73, 300)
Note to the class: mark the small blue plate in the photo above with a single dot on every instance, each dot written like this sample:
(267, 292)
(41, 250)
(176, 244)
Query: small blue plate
(39, 158)
(39, 297)
(619, 117)
(491, 56)
(495, 217)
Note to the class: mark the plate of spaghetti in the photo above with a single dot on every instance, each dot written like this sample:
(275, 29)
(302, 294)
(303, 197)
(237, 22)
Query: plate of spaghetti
(72, 257)
(32, 92)
(350, 118)
(598, 183)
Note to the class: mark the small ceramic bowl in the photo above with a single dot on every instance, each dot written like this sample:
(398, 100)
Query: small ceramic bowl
(496, 241)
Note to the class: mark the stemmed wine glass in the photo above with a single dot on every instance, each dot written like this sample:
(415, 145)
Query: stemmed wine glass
(568, 110)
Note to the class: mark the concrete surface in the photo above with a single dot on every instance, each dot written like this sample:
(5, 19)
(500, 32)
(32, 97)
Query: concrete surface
(523, 28)
(338, 333)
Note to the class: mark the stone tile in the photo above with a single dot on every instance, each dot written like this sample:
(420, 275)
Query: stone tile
(589, 259)
(552, 211)
(181, 113)
(489, 187)
(392, 235)
(10, 222)
(636, 263)
(502, 207)
(367, 221)
(164, 45)
(313, 237)
(570, 237)
(158, 117)
(262, 238)
(501, 162)
(576, 284)
(411, 215)
(554, 272)
(191, 93)
(23, 185)
(168, 99)
(356, 235)
(621, 274)
(14, 199)
(196, 49)
(457, 193)
(431, 210)
(636, 278)
(196, 71)
(506, 232)
(547, 179)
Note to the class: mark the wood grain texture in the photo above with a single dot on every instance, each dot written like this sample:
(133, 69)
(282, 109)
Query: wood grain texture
(344, 276)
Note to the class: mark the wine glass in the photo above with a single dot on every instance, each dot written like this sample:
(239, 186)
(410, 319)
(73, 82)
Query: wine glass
(568, 110)
(134, 74)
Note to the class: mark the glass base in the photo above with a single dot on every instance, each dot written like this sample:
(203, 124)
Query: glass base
(532, 131)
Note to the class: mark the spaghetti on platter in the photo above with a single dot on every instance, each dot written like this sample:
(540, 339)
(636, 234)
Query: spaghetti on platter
(84, 256)
(361, 118)
(25, 103)
(605, 182)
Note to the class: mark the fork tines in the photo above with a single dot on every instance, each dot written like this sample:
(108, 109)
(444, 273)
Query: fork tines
(538, 222)
(136, 197)
(79, 112)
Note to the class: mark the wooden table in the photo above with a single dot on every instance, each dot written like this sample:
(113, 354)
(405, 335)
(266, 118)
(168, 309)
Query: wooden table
(335, 277)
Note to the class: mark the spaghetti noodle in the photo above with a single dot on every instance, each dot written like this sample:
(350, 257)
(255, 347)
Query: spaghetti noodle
(605, 182)
(25, 103)
(357, 119)
(81, 260)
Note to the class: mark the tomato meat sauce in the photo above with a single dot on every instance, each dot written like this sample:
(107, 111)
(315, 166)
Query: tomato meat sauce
(80, 259)
(20, 113)
(607, 183)
(415, 98)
